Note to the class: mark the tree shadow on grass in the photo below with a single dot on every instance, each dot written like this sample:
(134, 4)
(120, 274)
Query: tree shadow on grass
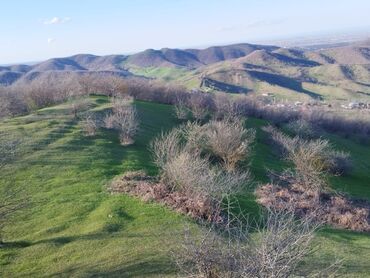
(146, 267)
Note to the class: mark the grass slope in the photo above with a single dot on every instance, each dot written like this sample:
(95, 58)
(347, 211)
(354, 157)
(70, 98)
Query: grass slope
(74, 228)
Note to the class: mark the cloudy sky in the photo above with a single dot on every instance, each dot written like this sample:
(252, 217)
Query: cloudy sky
(33, 30)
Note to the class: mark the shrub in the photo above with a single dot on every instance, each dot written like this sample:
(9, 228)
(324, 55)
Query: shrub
(302, 128)
(79, 106)
(109, 121)
(198, 105)
(184, 169)
(89, 125)
(166, 147)
(181, 111)
(340, 162)
(228, 140)
(309, 158)
(275, 249)
(128, 125)
(124, 118)
(11, 104)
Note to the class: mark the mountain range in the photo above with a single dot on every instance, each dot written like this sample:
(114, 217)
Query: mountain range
(338, 72)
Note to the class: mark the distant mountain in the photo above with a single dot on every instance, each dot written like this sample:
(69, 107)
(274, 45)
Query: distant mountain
(342, 71)
(192, 58)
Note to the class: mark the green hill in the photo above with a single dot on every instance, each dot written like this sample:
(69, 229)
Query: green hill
(73, 227)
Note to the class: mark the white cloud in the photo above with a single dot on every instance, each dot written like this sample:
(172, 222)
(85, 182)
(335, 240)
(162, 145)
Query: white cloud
(51, 40)
(56, 20)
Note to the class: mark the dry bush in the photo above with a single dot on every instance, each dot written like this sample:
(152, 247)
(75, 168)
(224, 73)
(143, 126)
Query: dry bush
(109, 121)
(11, 104)
(184, 169)
(79, 106)
(122, 104)
(228, 140)
(198, 105)
(340, 162)
(275, 249)
(180, 109)
(333, 209)
(225, 107)
(302, 128)
(109, 84)
(310, 162)
(124, 118)
(90, 125)
(128, 125)
(166, 147)
(192, 174)
(312, 159)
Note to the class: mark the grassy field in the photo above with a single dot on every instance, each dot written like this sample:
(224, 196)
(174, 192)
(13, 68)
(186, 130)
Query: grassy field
(73, 227)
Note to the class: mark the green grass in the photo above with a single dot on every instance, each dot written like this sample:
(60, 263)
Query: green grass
(180, 75)
(73, 227)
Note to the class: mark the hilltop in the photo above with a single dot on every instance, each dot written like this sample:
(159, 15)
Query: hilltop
(333, 73)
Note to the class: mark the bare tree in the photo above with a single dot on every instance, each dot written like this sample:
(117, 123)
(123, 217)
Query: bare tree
(229, 140)
(309, 157)
(90, 125)
(11, 103)
(166, 147)
(112, 85)
(181, 111)
(274, 249)
(225, 107)
(80, 105)
(184, 169)
(124, 118)
(128, 125)
(198, 106)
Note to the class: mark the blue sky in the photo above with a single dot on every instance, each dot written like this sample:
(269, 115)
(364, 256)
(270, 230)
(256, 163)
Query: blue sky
(33, 30)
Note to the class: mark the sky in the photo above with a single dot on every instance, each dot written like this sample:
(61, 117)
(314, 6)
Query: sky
(34, 30)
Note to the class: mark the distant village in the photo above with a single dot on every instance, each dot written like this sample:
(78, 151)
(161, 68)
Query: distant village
(349, 106)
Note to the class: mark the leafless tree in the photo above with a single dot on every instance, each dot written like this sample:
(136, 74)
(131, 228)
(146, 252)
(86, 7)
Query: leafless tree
(229, 140)
(274, 249)
(184, 169)
(198, 105)
(90, 125)
(312, 159)
(123, 118)
(80, 105)
(86, 84)
(181, 111)
(302, 128)
(225, 107)
(121, 104)
(111, 85)
(128, 125)
(166, 147)
(11, 103)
